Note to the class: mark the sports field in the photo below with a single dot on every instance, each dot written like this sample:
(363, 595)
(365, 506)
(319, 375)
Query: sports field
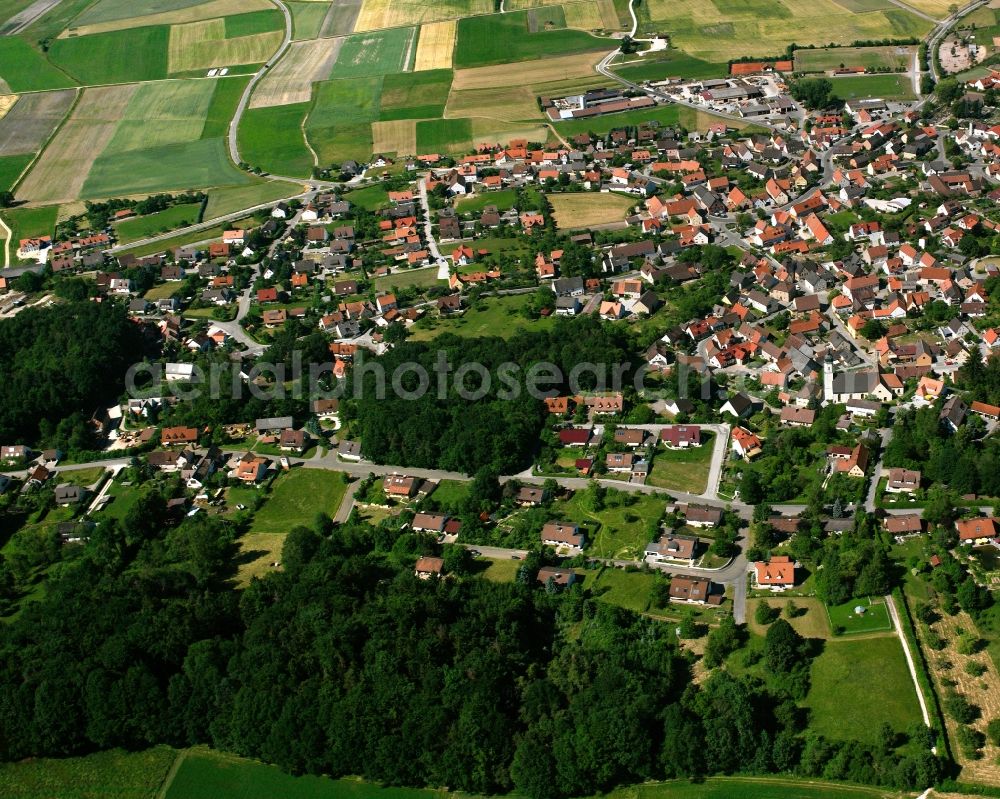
(822, 59)
(717, 31)
(394, 13)
(292, 77)
(24, 69)
(501, 39)
(885, 87)
(375, 53)
(584, 209)
(31, 121)
(271, 138)
(59, 173)
(436, 45)
(841, 706)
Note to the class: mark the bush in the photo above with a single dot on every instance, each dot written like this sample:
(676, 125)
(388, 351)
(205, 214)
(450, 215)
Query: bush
(975, 669)
(970, 741)
(765, 614)
(960, 709)
(993, 731)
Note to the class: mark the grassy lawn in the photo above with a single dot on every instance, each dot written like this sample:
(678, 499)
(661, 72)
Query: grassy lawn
(451, 493)
(683, 469)
(822, 59)
(162, 292)
(749, 788)
(180, 215)
(30, 222)
(371, 198)
(874, 619)
(621, 532)
(629, 590)
(228, 201)
(421, 278)
(841, 701)
(123, 498)
(81, 477)
(474, 204)
(500, 571)
(669, 64)
(118, 774)
(206, 234)
(256, 554)
(296, 498)
(810, 622)
(576, 210)
(11, 167)
(499, 316)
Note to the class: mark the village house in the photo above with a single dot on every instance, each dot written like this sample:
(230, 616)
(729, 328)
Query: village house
(777, 574)
(563, 535)
(693, 590)
(556, 577)
(398, 486)
(428, 567)
(976, 531)
(670, 547)
(899, 481)
(429, 523)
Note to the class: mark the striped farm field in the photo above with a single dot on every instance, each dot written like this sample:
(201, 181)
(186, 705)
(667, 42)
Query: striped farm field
(375, 53)
(59, 173)
(112, 10)
(398, 136)
(166, 112)
(341, 18)
(591, 16)
(203, 45)
(939, 9)
(377, 14)
(415, 95)
(291, 79)
(436, 45)
(176, 16)
(460, 135)
(509, 103)
(567, 67)
(307, 18)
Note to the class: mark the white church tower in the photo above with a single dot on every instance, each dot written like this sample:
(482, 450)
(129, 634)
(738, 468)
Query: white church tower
(827, 379)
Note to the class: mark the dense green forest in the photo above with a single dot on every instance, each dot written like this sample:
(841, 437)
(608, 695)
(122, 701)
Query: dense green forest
(345, 663)
(60, 363)
(451, 432)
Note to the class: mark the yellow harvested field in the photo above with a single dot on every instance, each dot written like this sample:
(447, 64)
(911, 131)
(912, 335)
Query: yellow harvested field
(398, 136)
(377, 14)
(6, 103)
(436, 45)
(209, 10)
(517, 5)
(292, 78)
(508, 103)
(527, 73)
(584, 209)
(713, 34)
(59, 173)
(68, 210)
(203, 45)
(934, 8)
(585, 16)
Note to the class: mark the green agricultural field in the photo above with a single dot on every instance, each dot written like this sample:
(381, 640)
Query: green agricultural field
(415, 95)
(444, 135)
(230, 200)
(180, 215)
(126, 56)
(26, 223)
(11, 167)
(222, 107)
(180, 240)
(172, 167)
(339, 124)
(683, 469)
(839, 700)
(111, 10)
(885, 87)
(665, 115)
(874, 619)
(822, 59)
(501, 39)
(271, 138)
(254, 22)
(375, 53)
(296, 498)
(24, 69)
(500, 316)
(115, 773)
(670, 64)
(161, 113)
(307, 19)
(545, 18)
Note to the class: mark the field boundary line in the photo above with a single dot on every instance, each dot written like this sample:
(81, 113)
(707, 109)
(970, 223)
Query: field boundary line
(168, 778)
(894, 616)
